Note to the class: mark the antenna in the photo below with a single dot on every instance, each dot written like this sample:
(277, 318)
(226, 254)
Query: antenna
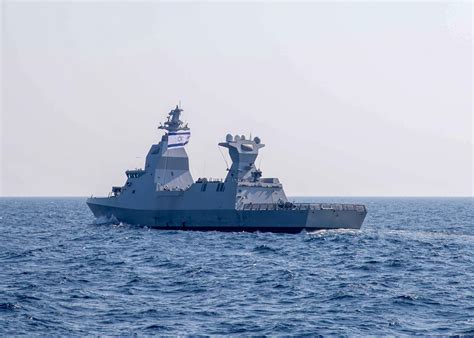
(227, 165)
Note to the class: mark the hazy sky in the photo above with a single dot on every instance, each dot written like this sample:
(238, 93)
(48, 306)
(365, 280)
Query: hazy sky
(349, 98)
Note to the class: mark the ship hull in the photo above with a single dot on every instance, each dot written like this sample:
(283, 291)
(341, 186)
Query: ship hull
(231, 220)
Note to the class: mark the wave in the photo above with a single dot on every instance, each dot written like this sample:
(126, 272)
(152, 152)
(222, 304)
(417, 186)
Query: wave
(9, 307)
(263, 248)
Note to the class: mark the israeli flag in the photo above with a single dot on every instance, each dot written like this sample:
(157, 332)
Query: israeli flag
(177, 139)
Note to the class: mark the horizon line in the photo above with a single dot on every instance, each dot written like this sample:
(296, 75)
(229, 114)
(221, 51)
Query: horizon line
(289, 196)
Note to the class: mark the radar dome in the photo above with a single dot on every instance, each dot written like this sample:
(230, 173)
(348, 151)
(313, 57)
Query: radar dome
(236, 138)
(257, 139)
(229, 138)
(242, 137)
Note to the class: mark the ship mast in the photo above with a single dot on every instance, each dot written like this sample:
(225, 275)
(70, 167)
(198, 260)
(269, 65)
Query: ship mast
(173, 122)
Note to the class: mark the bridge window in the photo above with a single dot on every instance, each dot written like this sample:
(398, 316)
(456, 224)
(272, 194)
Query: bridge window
(134, 173)
(203, 187)
(220, 187)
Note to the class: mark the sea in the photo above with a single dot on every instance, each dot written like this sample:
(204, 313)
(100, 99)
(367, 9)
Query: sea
(408, 271)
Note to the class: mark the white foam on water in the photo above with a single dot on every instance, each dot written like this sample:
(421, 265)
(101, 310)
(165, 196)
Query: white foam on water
(331, 232)
(104, 220)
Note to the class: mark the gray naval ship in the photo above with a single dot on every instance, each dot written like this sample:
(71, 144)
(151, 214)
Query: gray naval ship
(164, 195)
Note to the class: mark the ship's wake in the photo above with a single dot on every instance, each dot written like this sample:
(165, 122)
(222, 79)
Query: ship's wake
(106, 220)
(329, 232)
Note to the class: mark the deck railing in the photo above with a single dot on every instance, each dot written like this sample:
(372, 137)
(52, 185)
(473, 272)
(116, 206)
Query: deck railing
(303, 206)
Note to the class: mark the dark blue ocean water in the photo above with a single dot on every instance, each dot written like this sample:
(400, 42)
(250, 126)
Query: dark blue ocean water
(410, 270)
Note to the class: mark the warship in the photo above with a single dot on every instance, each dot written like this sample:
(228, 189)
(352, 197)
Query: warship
(163, 194)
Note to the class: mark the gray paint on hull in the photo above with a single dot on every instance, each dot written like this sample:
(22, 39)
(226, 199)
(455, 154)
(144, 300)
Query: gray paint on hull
(234, 220)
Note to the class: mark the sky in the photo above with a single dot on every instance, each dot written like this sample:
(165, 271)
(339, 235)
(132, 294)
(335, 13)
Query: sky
(350, 98)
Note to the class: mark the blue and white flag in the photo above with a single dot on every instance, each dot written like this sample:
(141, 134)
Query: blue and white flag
(177, 139)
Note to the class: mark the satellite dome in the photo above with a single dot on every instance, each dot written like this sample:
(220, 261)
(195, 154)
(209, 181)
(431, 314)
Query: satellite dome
(242, 137)
(236, 138)
(229, 138)
(257, 139)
